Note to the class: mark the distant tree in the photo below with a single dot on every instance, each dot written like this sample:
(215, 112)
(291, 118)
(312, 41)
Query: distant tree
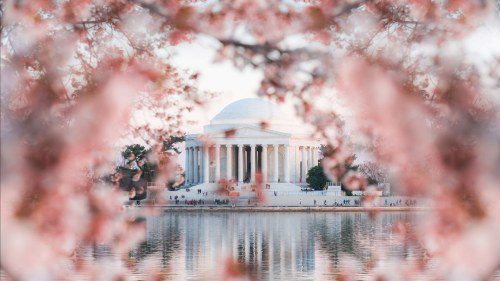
(316, 178)
(373, 172)
(169, 145)
(339, 171)
(349, 169)
(136, 157)
(135, 152)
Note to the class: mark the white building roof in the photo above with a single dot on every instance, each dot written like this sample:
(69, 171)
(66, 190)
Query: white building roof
(253, 112)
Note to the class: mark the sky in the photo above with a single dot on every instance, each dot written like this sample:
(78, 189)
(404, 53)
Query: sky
(230, 84)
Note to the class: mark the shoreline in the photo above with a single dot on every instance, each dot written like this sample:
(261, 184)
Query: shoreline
(167, 208)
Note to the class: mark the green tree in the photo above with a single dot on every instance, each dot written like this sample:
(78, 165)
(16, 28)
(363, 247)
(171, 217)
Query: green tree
(169, 145)
(135, 152)
(316, 178)
(136, 157)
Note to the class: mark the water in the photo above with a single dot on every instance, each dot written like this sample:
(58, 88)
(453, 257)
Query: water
(273, 246)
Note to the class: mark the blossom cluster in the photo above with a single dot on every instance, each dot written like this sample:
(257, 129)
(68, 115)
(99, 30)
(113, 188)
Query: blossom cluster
(76, 73)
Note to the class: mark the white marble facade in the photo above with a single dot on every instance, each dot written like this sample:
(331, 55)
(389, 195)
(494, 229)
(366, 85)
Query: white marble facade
(251, 137)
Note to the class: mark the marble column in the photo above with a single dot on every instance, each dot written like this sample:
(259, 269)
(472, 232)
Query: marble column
(304, 164)
(276, 159)
(186, 170)
(229, 157)
(196, 154)
(306, 151)
(240, 163)
(315, 156)
(308, 160)
(191, 165)
(205, 164)
(297, 163)
(311, 152)
(245, 163)
(252, 163)
(287, 163)
(264, 163)
(217, 162)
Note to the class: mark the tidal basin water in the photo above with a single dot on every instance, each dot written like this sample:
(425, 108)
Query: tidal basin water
(273, 246)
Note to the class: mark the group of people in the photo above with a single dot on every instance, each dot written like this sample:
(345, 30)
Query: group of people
(221, 201)
(195, 202)
(346, 202)
(176, 198)
(192, 202)
(407, 203)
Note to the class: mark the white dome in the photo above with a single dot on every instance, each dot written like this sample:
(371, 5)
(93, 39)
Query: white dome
(251, 111)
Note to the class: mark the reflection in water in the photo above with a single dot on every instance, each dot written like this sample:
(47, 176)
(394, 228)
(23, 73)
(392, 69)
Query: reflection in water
(299, 246)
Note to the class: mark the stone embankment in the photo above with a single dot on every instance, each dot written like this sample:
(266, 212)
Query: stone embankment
(170, 208)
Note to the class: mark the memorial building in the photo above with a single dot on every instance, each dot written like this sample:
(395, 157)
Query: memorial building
(251, 137)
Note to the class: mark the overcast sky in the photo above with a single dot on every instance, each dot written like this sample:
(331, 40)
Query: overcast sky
(228, 82)
(231, 84)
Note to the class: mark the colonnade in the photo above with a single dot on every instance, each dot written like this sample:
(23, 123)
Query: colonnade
(244, 162)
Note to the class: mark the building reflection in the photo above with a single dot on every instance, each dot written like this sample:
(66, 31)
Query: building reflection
(272, 245)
